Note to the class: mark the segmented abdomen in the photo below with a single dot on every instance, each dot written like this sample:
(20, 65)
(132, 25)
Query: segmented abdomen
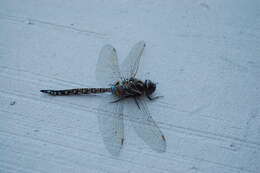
(76, 91)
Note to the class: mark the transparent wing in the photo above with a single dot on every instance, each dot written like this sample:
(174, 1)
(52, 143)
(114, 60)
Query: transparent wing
(131, 64)
(144, 125)
(107, 70)
(111, 125)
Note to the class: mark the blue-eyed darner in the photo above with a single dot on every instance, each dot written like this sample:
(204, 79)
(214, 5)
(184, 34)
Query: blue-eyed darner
(126, 92)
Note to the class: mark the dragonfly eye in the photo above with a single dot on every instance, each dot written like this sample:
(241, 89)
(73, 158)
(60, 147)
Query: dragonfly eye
(150, 87)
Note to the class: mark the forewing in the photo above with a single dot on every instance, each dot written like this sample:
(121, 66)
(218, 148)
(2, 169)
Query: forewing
(111, 125)
(131, 64)
(107, 69)
(144, 125)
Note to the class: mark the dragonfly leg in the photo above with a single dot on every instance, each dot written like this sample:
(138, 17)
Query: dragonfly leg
(120, 98)
(137, 103)
(117, 100)
(153, 98)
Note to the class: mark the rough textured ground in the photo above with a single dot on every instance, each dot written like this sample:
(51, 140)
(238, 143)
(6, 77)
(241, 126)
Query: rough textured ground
(204, 55)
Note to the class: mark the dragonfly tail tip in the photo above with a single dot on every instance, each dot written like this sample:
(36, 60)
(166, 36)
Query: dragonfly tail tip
(44, 91)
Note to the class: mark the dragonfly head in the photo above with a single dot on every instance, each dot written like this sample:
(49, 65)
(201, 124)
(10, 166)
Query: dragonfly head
(149, 87)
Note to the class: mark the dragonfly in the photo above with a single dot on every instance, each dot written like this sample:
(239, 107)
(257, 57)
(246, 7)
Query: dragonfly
(127, 93)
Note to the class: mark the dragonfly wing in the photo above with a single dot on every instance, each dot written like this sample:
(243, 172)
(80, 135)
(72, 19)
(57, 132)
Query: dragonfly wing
(144, 125)
(131, 64)
(107, 70)
(111, 125)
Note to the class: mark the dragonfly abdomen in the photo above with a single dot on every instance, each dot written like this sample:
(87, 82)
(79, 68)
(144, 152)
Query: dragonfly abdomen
(76, 91)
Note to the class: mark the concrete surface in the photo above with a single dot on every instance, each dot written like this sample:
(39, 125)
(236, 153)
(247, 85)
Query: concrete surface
(204, 55)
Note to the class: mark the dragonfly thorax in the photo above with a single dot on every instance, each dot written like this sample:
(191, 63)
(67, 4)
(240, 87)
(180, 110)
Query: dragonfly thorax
(133, 87)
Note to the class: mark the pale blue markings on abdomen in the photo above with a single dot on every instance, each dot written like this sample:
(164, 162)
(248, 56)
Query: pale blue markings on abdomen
(113, 89)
